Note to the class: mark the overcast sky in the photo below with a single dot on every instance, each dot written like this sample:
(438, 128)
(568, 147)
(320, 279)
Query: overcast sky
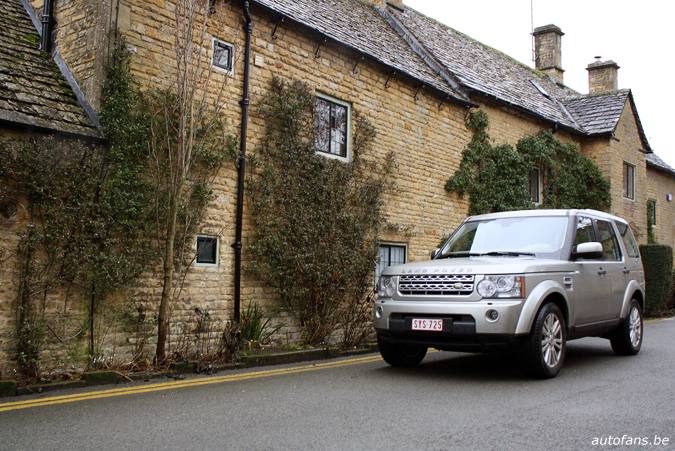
(637, 35)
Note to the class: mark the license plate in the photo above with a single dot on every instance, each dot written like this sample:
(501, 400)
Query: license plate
(427, 324)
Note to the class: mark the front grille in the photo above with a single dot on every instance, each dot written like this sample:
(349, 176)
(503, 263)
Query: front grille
(436, 285)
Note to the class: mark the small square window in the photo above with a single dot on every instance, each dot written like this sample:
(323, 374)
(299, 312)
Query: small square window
(207, 250)
(390, 255)
(628, 181)
(223, 55)
(534, 186)
(332, 127)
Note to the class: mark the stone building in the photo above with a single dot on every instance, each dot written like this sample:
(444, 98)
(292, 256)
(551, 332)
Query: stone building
(412, 77)
(38, 97)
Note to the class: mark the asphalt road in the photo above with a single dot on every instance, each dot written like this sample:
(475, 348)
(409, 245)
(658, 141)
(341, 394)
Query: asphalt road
(450, 402)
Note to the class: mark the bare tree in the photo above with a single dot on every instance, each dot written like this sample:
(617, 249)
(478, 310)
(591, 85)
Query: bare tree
(189, 143)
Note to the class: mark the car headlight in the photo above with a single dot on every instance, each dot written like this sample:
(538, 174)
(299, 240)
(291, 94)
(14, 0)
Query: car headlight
(387, 287)
(501, 287)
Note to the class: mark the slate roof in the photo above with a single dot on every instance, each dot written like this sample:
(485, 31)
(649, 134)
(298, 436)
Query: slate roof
(654, 161)
(34, 93)
(360, 26)
(598, 113)
(452, 62)
(488, 71)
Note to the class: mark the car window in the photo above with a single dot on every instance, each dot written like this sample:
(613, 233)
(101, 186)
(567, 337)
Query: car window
(533, 235)
(585, 233)
(628, 240)
(610, 247)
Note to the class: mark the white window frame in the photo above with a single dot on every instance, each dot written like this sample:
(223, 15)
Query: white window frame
(631, 195)
(390, 244)
(196, 248)
(348, 105)
(214, 43)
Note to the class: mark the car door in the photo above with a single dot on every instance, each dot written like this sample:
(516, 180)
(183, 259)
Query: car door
(614, 265)
(591, 284)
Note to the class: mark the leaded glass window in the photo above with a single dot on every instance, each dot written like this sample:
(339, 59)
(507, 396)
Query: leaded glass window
(331, 121)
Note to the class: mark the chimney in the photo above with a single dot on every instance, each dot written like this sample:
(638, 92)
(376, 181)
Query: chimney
(602, 76)
(547, 50)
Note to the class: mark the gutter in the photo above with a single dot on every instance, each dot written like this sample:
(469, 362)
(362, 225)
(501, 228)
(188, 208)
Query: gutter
(248, 28)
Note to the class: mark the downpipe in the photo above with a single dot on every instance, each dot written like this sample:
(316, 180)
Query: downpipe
(45, 43)
(248, 28)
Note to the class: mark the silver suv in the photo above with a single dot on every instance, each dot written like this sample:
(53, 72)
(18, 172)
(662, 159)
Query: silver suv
(529, 280)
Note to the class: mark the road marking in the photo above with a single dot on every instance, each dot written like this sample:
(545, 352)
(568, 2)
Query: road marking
(658, 320)
(180, 384)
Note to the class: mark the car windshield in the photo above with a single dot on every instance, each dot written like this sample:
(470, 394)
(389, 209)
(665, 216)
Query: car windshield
(507, 236)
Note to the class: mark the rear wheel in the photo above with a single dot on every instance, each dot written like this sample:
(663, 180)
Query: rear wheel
(405, 356)
(627, 339)
(542, 352)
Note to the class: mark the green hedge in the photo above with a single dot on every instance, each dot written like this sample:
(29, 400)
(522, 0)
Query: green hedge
(658, 263)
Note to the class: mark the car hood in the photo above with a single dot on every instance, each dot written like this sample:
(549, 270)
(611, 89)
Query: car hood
(480, 265)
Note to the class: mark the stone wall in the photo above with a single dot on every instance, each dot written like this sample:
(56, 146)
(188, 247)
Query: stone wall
(660, 184)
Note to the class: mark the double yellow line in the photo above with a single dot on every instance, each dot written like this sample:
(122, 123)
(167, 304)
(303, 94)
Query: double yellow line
(184, 383)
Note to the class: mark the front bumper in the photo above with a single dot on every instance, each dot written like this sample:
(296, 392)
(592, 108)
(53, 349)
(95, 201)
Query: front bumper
(466, 325)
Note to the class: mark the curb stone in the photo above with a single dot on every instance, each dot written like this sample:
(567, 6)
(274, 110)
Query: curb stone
(177, 369)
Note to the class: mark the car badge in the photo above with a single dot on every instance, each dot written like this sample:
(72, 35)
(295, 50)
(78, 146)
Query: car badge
(458, 286)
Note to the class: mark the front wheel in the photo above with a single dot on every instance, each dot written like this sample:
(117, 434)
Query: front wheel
(405, 356)
(627, 339)
(542, 352)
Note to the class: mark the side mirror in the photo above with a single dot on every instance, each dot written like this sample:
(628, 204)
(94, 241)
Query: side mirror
(591, 250)
(434, 253)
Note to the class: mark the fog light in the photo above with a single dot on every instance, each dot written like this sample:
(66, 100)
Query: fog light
(378, 311)
(492, 315)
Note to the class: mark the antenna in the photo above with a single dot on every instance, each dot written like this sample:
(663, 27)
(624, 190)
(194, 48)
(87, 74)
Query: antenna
(534, 52)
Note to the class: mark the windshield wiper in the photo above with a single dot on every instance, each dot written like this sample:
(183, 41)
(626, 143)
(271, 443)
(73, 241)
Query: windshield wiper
(461, 254)
(509, 254)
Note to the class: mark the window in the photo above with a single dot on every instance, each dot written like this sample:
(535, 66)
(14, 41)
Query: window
(627, 235)
(585, 232)
(651, 211)
(610, 247)
(534, 186)
(207, 251)
(223, 55)
(332, 127)
(390, 255)
(628, 181)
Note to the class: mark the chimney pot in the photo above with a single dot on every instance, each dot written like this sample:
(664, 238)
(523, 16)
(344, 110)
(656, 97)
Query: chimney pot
(547, 47)
(602, 76)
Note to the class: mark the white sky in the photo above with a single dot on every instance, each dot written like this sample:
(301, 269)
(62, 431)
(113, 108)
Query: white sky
(637, 35)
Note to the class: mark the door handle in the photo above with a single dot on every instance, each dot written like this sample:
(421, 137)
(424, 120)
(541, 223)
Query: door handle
(626, 271)
(602, 272)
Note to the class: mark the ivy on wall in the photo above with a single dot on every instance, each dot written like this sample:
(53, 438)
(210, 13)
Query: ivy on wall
(496, 177)
(316, 219)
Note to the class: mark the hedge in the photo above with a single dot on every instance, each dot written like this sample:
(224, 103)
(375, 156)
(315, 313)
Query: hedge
(658, 264)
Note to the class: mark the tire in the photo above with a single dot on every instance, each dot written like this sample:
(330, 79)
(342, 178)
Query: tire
(627, 339)
(542, 352)
(404, 356)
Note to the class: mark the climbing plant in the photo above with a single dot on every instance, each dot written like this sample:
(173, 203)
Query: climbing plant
(86, 234)
(496, 177)
(316, 219)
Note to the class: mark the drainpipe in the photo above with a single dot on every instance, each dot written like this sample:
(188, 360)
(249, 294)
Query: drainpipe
(45, 44)
(248, 28)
